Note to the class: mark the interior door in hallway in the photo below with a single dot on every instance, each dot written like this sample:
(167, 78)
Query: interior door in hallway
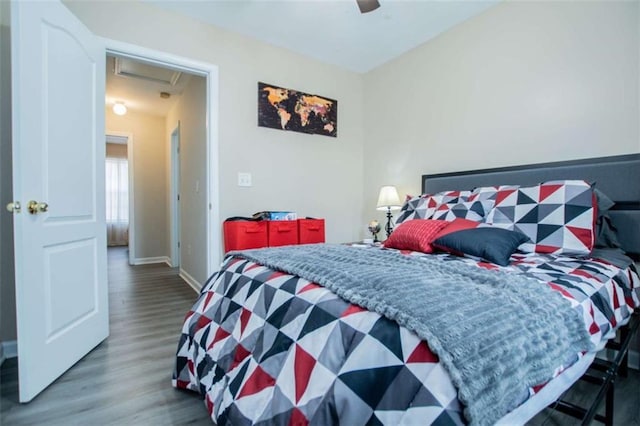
(175, 197)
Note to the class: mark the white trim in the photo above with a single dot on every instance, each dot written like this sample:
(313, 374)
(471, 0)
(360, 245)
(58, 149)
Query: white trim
(174, 193)
(214, 228)
(193, 283)
(157, 57)
(150, 260)
(213, 251)
(8, 349)
(110, 134)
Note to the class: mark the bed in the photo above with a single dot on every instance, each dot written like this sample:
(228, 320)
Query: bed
(337, 334)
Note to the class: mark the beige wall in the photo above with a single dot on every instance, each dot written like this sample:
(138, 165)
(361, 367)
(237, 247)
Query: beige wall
(523, 82)
(190, 112)
(7, 286)
(312, 175)
(149, 178)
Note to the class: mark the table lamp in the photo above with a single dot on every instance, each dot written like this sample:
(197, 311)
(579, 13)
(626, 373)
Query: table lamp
(388, 200)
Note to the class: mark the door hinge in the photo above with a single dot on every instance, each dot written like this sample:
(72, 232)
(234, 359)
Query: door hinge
(178, 197)
(178, 244)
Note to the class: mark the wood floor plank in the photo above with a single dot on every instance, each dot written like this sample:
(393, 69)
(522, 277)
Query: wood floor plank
(126, 380)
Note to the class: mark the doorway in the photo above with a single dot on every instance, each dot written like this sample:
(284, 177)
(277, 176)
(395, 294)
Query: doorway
(213, 251)
(124, 140)
(187, 179)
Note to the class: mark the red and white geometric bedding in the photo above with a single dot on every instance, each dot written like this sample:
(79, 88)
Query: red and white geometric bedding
(264, 347)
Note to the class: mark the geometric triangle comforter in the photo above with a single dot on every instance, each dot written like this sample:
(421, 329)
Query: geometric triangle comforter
(266, 347)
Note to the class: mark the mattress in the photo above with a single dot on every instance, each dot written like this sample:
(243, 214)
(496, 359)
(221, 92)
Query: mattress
(266, 347)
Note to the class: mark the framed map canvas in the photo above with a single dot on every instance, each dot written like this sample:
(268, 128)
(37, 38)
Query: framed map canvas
(287, 109)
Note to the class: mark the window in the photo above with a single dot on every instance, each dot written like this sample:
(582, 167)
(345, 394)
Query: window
(117, 203)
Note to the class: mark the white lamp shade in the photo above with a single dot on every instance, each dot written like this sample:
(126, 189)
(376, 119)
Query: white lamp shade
(388, 198)
(119, 108)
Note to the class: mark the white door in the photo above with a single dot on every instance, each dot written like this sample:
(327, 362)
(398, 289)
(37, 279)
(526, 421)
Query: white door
(58, 77)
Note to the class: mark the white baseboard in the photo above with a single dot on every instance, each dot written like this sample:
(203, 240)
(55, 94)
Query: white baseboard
(193, 283)
(150, 260)
(8, 350)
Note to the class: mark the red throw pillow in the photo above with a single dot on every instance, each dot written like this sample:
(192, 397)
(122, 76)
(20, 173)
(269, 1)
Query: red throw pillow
(457, 225)
(415, 235)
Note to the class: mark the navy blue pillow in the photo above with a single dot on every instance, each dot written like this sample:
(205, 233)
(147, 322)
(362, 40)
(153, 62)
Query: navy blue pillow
(493, 244)
(606, 235)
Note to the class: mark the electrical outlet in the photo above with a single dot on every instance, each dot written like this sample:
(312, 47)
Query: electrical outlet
(244, 179)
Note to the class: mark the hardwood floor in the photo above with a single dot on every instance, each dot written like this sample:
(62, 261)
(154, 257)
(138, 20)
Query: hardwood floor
(126, 380)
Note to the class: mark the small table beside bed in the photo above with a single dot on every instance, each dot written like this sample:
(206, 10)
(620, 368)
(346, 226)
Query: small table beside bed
(491, 298)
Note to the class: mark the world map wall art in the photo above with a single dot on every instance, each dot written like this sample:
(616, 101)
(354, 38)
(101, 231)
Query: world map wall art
(287, 109)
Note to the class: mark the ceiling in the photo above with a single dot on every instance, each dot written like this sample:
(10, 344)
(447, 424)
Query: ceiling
(334, 31)
(138, 85)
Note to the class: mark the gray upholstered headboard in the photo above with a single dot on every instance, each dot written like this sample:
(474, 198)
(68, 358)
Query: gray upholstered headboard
(618, 177)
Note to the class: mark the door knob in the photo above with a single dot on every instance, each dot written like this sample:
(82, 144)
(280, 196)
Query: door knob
(35, 207)
(14, 207)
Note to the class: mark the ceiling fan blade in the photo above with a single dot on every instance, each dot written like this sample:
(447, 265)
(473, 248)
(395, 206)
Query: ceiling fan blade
(368, 5)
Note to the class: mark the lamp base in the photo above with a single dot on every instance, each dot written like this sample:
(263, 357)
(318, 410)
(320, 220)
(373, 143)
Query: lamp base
(388, 227)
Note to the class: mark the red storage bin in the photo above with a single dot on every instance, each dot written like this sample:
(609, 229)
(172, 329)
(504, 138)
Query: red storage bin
(245, 234)
(282, 232)
(310, 231)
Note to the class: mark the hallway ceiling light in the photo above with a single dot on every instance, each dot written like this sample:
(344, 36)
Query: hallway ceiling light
(119, 108)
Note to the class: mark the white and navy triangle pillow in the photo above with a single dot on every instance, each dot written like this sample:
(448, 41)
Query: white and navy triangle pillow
(424, 206)
(558, 216)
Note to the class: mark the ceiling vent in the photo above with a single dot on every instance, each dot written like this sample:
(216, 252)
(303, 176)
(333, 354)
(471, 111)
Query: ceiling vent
(133, 69)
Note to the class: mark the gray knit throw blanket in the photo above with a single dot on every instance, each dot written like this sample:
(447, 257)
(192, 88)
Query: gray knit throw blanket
(496, 333)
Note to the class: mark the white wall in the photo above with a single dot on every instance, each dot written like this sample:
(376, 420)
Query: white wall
(7, 285)
(312, 175)
(190, 110)
(523, 82)
(149, 177)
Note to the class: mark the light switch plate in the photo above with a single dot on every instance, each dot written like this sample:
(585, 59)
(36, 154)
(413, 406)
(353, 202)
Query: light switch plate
(244, 179)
